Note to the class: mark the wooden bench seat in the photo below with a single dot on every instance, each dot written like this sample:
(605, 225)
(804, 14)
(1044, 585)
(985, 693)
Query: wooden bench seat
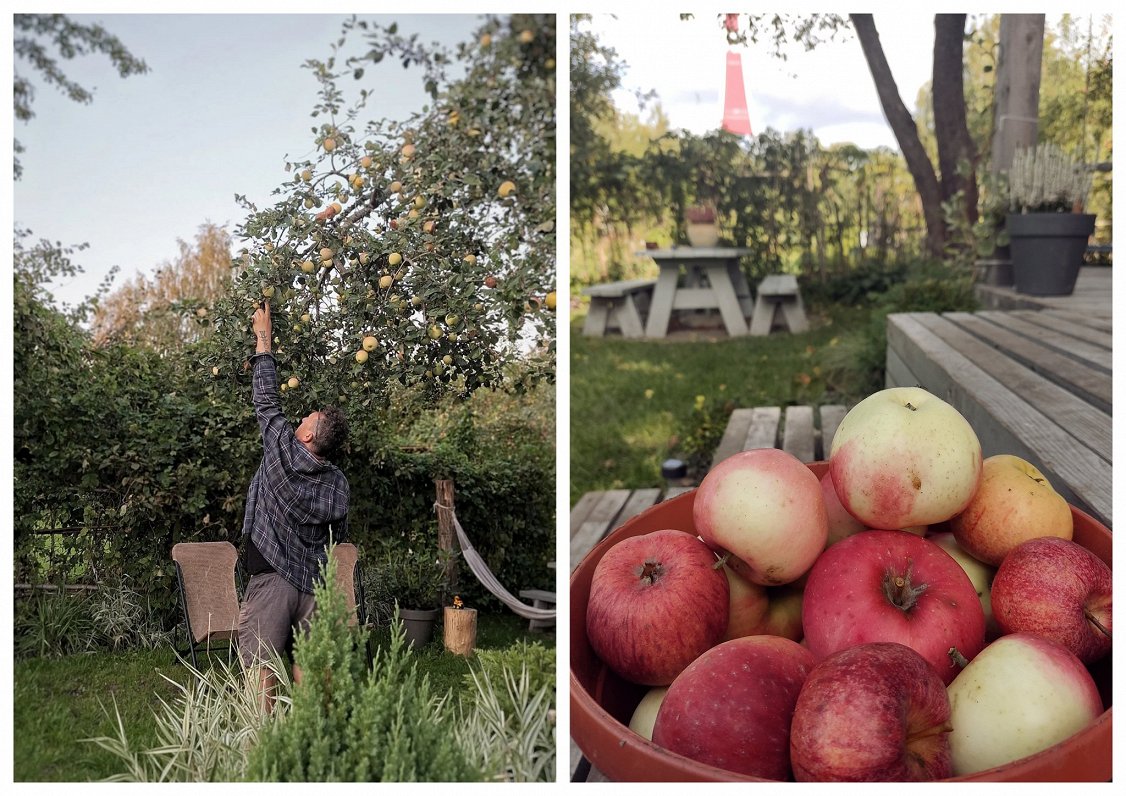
(620, 306)
(778, 301)
(540, 599)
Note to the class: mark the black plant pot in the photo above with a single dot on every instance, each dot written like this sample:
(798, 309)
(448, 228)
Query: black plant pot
(1048, 250)
(419, 625)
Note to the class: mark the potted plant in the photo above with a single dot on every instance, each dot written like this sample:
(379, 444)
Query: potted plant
(414, 579)
(702, 228)
(1048, 229)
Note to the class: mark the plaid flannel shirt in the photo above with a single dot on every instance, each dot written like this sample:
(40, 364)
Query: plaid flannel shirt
(295, 499)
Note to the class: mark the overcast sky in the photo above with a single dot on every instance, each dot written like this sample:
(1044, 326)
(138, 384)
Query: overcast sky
(154, 156)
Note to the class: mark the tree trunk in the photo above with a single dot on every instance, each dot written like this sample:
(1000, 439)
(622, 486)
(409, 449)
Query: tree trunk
(906, 134)
(957, 159)
(447, 534)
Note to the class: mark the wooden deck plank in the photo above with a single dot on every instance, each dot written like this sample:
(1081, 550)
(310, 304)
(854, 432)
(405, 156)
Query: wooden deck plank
(831, 417)
(1004, 421)
(763, 432)
(1054, 338)
(640, 500)
(734, 435)
(580, 510)
(1067, 410)
(1093, 385)
(1054, 319)
(1095, 321)
(797, 434)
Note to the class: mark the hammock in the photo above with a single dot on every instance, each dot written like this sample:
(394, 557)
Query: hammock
(481, 570)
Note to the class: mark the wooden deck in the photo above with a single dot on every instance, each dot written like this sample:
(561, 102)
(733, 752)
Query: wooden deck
(1032, 382)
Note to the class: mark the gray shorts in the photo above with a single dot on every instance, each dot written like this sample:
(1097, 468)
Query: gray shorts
(271, 611)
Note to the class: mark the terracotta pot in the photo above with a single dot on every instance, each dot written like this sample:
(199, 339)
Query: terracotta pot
(602, 703)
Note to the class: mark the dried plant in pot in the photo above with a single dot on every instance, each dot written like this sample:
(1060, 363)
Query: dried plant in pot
(1048, 229)
(701, 226)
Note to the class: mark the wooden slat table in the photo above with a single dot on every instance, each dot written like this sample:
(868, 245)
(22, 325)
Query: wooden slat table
(1033, 383)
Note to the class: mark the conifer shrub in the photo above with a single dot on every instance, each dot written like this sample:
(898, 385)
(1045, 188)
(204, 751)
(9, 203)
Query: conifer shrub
(349, 723)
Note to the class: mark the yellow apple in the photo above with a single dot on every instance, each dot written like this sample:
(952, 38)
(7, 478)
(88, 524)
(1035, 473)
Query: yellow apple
(386, 280)
(413, 213)
(551, 300)
(407, 151)
(201, 312)
(337, 207)
(429, 226)
(486, 40)
(308, 266)
(394, 258)
(306, 175)
(293, 382)
(363, 258)
(645, 714)
(420, 202)
(980, 575)
(365, 162)
(507, 187)
(435, 332)
(452, 319)
(329, 144)
(453, 118)
(215, 371)
(395, 187)
(447, 359)
(361, 356)
(370, 343)
(470, 258)
(527, 37)
(326, 253)
(306, 317)
(747, 605)
(1014, 503)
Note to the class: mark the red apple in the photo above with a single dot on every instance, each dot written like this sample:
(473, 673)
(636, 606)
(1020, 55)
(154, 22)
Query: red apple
(748, 606)
(1022, 694)
(764, 507)
(903, 457)
(1059, 590)
(871, 713)
(657, 602)
(841, 523)
(893, 586)
(732, 706)
(1013, 503)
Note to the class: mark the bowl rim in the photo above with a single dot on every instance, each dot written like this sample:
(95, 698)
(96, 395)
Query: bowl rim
(1092, 744)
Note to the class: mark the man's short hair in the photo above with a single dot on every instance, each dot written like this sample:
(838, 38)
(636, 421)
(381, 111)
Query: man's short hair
(332, 433)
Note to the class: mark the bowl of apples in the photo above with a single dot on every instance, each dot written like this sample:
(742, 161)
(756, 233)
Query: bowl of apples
(891, 614)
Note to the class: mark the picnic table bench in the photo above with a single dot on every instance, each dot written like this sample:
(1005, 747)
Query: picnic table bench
(778, 301)
(618, 305)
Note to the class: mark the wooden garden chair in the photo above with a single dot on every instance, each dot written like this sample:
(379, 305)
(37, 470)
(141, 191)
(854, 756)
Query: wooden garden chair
(206, 573)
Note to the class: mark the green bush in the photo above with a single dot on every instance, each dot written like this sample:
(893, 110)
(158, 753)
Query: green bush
(348, 723)
(53, 624)
(534, 658)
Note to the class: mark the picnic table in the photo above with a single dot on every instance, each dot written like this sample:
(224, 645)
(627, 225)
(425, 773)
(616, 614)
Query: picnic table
(696, 278)
(1034, 382)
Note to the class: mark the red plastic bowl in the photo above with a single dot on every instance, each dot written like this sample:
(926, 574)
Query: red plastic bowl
(602, 703)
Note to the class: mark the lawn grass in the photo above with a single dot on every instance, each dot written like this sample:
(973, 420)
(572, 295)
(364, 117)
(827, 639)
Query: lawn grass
(633, 402)
(58, 701)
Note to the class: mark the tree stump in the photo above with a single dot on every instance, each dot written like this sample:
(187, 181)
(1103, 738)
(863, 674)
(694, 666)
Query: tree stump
(459, 630)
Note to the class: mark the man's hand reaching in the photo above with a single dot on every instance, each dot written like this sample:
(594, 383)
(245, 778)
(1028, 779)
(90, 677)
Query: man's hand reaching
(263, 329)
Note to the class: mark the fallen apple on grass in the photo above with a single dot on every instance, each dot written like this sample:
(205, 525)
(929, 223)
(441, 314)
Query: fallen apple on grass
(1059, 590)
(764, 507)
(871, 713)
(893, 586)
(732, 707)
(1021, 695)
(903, 457)
(1014, 503)
(657, 602)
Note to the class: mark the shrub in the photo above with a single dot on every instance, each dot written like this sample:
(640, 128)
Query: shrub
(205, 734)
(53, 624)
(349, 723)
(124, 619)
(508, 727)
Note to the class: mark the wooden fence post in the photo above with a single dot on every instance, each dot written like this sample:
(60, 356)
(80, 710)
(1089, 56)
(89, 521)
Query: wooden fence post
(447, 536)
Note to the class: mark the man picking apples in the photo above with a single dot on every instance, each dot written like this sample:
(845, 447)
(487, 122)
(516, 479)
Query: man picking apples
(296, 504)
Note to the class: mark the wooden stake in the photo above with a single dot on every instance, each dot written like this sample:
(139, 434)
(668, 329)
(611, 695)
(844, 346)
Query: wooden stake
(447, 536)
(459, 630)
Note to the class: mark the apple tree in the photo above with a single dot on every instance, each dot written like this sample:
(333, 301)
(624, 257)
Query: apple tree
(418, 252)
